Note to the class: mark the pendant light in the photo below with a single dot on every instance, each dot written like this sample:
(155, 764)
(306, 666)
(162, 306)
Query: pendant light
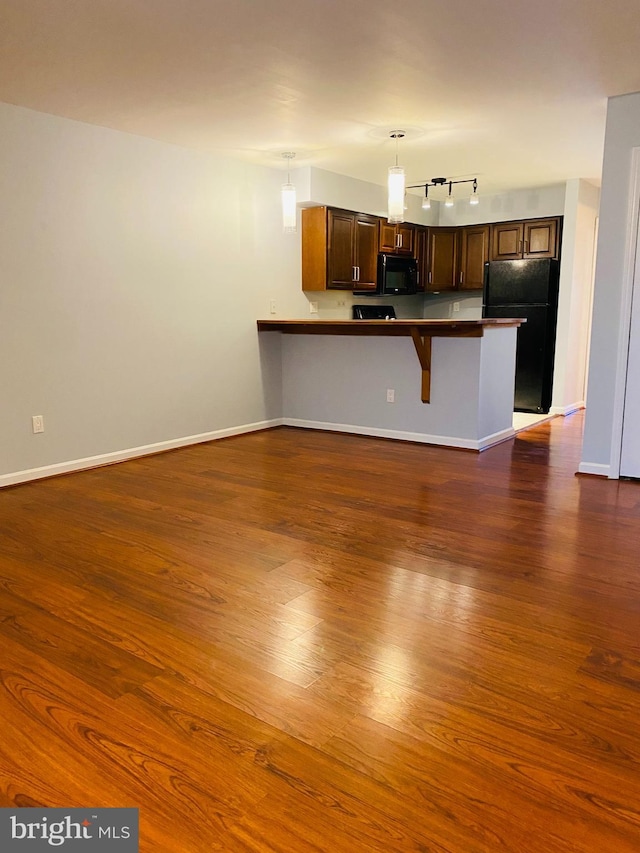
(426, 201)
(449, 200)
(288, 199)
(474, 198)
(396, 185)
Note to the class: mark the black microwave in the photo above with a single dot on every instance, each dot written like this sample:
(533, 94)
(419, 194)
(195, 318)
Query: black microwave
(397, 276)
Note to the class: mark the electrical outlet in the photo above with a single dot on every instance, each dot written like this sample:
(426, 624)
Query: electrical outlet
(341, 303)
(391, 395)
(456, 307)
(313, 308)
(272, 306)
(37, 423)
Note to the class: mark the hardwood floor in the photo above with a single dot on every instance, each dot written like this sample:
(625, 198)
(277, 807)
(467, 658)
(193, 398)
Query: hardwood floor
(294, 641)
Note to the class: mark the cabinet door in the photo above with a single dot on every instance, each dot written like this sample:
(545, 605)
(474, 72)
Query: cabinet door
(366, 252)
(421, 241)
(405, 237)
(540, 238)
(443, 255)
(341, 263)
(387, 237)
(506, 241)
(474, 254)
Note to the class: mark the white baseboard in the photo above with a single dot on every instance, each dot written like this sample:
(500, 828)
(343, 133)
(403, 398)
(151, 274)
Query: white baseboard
(594, 468)
(567, 410)
(131, 453)
(496, 438)
(400, 435)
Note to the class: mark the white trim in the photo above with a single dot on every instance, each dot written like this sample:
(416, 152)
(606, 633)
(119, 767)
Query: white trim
(567, 410)
(399, 435)
(625, 316)
(595, 468)
(131, 453)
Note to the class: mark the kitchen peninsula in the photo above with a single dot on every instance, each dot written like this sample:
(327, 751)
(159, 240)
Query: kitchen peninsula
(432, 381)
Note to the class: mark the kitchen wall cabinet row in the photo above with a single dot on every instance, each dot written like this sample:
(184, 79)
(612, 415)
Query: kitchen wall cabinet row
(340, 249)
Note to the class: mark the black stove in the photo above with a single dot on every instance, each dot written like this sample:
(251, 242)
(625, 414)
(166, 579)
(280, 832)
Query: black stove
(374, 312)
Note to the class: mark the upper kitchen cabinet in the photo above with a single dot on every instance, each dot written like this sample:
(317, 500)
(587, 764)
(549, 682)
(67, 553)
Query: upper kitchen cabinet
(443, 259)
(533, 238)
(474, 253)
(398, 239)
(541, 239)
(421, 244)
(339, 249)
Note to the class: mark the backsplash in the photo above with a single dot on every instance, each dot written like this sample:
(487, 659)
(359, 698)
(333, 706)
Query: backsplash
(440, 306)
(336, 305)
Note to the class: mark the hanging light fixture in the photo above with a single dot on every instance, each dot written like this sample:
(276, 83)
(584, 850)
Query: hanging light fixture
(396, 185)
(288, 198)
(449, 201)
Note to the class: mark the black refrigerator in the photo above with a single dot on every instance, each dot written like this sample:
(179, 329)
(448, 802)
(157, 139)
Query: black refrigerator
(527, 289)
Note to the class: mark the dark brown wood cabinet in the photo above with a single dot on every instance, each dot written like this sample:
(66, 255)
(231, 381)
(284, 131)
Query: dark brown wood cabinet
(365, 251)
(541, 239)
(474, 253)
(398, 239)
(421, 243)
(533, 238)
(339, 249)
(443, 259)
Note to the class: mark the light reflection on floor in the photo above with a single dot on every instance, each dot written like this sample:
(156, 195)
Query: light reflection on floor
(525, 420)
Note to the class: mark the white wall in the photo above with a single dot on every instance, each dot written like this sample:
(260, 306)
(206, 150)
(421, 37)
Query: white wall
(317, 186)
(532, 203)
(575, 298)
(132, 276)
(611, 305)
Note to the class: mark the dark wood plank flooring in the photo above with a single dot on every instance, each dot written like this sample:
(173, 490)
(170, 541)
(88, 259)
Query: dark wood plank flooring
(294, 641)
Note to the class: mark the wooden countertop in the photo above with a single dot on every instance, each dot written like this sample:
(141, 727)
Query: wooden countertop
(389, 328)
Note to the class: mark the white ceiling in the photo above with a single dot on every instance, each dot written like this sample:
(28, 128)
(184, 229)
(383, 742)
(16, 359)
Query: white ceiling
(512, 92)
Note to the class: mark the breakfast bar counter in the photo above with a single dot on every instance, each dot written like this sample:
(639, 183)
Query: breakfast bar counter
(357, 376)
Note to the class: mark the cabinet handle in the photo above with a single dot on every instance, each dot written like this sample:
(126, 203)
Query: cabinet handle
(461, 276)
(520, 246)
(429, 276)
(357, 273)
(526, 247)
(400, 241)
(353, 273)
